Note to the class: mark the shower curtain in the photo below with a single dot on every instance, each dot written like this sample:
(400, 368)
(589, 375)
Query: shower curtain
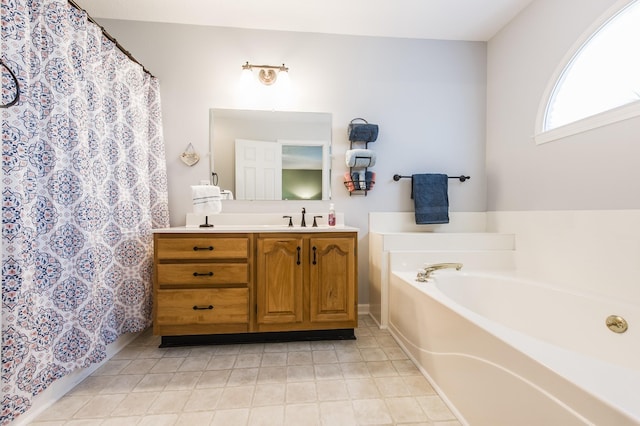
(83, 185)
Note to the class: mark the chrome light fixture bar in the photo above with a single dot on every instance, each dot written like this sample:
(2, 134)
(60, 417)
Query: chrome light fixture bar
(267, 74)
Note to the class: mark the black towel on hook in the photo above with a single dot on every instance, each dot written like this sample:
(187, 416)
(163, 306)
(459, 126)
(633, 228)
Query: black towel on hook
(430, 196)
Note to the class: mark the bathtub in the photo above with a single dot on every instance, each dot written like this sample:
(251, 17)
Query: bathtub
(503, 350)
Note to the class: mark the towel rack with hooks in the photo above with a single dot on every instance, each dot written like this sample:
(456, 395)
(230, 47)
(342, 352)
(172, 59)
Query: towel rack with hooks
(461, 178)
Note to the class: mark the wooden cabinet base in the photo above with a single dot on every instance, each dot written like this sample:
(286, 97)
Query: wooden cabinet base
(266, 337)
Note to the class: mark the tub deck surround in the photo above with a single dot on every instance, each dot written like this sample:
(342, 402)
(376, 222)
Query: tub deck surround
(463, 238)
(546, 354)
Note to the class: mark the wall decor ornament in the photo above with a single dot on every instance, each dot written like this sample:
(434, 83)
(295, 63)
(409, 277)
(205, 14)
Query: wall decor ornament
(190, 157)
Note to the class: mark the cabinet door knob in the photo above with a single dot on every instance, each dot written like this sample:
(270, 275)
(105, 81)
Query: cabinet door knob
(206, 274)
(196, 248)
(202, 308)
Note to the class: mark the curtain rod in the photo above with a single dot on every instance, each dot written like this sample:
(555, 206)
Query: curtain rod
(110, 37)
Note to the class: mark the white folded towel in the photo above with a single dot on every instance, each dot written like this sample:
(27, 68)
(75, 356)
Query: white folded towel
(360, 158)
(206, 199)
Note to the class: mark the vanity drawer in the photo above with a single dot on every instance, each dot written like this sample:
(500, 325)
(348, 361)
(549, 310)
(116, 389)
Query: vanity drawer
(202, 248)
(188, 274)
(202, 307)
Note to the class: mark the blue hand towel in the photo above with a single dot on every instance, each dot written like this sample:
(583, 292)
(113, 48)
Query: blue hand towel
(431, 198)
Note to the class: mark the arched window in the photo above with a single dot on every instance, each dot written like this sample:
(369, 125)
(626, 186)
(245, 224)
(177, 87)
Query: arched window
(601, 83)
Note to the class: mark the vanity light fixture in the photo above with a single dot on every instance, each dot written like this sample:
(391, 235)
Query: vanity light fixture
(267, 74)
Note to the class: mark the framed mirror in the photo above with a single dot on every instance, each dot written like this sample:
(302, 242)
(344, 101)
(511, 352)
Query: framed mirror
(271, 155)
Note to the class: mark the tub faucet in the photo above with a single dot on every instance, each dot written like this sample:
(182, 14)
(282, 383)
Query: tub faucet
(428, 269)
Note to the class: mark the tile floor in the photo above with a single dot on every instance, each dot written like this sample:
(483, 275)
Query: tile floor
(368, 381)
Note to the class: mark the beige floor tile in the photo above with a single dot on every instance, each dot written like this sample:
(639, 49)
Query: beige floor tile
(221, 362)
(139, 366)
(381, 369)
(392, 386)
(159, 420)
(64, 408)
(332, 390)
(299, 358)
(183, 381)
(99, 406)
(272, 415)
(405, 409)
(419, 385)
(324, 357)
(213, 379)
(274, 359)
(435, 408)
(195, 419)
(203, 400)
(373, 354)
(301, 392)
(195, 363)
(153, 382)
(349, 355)
(355, 370)
(371, 412)
(235, 417)
(135, 404)
(122, 421)
(299, 373)
(302, 414)
(236, 397)
(328, 371)
(248, 360)
(243, 376)
(111, 367)
(272, 375)
(167, 365)
(362, 388)
(169, 402)
(337, 413)
(92, 385)
(269, 394)
(342, 382)
(122, 383)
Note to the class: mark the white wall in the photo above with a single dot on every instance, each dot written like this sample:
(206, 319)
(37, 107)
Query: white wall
(427, 96)
(572, 203)
(592, 170)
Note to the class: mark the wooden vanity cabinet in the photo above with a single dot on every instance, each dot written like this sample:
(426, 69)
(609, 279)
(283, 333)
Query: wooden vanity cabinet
(202, 283)
(306, 281)
(208, 283)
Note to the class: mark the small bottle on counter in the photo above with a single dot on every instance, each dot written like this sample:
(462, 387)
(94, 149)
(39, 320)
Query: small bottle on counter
(332, 215)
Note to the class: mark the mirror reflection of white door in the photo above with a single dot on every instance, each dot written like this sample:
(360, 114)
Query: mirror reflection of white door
(258, 170)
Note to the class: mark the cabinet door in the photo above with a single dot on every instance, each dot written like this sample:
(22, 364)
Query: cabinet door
(332, 279)
(279, 280)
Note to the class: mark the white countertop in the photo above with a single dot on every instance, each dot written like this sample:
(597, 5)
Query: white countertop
(255, 229)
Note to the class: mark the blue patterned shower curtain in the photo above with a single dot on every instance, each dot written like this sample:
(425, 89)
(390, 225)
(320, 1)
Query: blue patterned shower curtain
(83, 185)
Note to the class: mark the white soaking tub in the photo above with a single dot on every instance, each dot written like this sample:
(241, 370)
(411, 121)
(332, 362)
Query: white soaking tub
(503, 350)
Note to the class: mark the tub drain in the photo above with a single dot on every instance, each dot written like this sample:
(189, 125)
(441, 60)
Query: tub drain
(617, 324)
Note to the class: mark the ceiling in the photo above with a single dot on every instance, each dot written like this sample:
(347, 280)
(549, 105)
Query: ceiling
(476, 20)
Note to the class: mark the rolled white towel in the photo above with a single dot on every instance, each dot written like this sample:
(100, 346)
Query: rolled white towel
(206, 199)
(360, 157)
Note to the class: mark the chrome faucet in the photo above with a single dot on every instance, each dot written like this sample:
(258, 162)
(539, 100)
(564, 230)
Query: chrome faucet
(303, 224)
(425, 274)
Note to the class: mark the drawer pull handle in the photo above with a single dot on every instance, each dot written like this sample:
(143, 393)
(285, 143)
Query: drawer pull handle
(314, 255)
(202, 308)
(196, 248)
(206, 274)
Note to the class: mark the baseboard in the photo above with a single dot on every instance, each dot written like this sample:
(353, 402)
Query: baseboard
(363, 309)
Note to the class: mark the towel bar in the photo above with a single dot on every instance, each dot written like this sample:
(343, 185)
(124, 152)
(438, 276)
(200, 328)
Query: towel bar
(462, 178)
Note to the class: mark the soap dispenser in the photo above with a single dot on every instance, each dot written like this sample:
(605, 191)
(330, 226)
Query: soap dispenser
(332, 215)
